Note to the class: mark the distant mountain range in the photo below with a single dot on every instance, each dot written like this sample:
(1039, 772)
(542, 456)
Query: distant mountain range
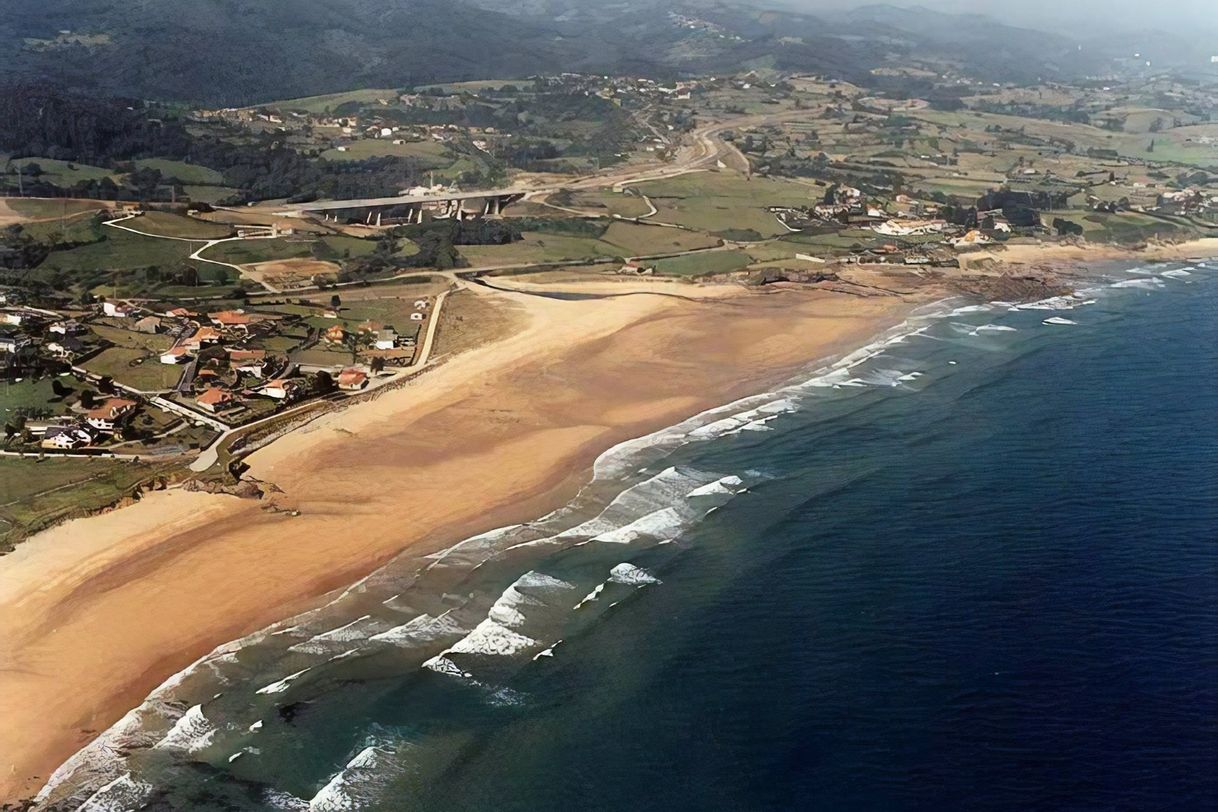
(232, 52)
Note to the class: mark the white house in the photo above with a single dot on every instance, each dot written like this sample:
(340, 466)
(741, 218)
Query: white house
(282, 389)
(117, 310)
(13, 343)
(66, 438)
(175, 355)
(910, 228)
(386, 340)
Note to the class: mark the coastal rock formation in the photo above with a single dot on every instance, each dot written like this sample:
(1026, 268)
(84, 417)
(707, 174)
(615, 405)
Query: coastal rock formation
(770, 276)
(1012, 287)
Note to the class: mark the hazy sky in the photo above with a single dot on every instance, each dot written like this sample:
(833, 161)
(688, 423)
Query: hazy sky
(1183, 16)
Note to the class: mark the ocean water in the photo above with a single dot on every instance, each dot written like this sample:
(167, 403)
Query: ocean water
(972, 566)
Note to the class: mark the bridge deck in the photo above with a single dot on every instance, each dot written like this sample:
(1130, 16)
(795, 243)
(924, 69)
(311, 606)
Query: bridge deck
(401, 200)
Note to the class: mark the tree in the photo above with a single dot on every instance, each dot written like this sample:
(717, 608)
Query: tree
(323, 384)
(336, 302)
(60, 389)
(87, 398)
(1066, 228)
(378, 364)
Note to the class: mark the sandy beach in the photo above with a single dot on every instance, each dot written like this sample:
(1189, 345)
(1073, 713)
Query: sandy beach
(95, 613)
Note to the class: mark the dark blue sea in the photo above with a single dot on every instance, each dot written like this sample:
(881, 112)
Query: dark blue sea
(972, 566)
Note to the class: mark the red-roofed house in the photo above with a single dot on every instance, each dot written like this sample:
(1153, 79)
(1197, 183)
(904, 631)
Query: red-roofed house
(231, 318)
(202, 336)
(352, 379)
(216, 400)
(108, 415)
(283, 389)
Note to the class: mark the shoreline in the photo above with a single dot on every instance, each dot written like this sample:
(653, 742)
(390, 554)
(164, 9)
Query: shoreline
(83, 646)
(102, 609)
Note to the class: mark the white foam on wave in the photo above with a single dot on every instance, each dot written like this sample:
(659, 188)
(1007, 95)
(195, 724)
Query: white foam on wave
(422, 629)
(656, 506)
(591, 596)
(442, 665)
(478, 545)
(346, 633)
(659, 524)
(190, 733)
(1059, 321)
(966, 309)
(732, 417)
(103, 760)
(279, 686)
(1052, 303)
(547, 652)
(1176, 274)
(277, 799)
(1146, 283)
(495, 636)
(360, 784)
(119, 795)
(492, 638)
(722, 485)
(630, 575)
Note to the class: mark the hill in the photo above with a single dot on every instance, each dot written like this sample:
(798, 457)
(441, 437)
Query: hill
(236, 52)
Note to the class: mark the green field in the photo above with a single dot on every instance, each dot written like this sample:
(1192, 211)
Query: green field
(39, 493)
(430, 154)
(29, 396)
(121, 250)
(539, 248)
(130, 339)
(63, 173)
(208, 194)
(148, 375)
(44, 208)
(625, 205)
(80, 228)
(641, 240)
(333, 247)
(323, 356)
(724, 203)
(166, 224)
(186, 173)
(329, 101)
(705, 264)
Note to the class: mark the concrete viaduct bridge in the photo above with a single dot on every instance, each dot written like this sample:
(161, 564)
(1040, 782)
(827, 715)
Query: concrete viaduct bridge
(409, 208)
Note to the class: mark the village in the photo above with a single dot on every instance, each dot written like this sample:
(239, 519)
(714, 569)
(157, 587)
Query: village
(133, 379)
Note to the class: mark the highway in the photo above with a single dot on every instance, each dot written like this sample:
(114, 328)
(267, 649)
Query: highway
(701, 149)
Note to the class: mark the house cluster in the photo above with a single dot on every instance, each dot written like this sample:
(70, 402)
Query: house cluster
(93, 424)
(1186, 201)
(31, 338)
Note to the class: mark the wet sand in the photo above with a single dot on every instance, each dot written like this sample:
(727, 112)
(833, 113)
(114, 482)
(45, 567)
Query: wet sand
(96, 613)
